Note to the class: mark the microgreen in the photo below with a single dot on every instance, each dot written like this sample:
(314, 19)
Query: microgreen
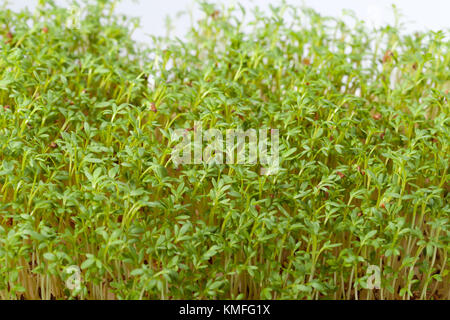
(87, 187)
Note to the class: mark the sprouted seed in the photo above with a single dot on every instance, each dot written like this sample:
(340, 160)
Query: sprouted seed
(89, 196)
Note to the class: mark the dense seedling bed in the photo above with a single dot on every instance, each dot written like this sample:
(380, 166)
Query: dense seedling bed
(86, 180)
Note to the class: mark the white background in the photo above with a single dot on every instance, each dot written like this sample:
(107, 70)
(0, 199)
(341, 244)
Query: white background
(419, 14)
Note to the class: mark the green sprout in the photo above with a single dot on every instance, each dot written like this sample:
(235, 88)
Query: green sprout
(90, 198)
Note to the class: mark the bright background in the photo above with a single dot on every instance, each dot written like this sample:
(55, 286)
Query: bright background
(419, 14)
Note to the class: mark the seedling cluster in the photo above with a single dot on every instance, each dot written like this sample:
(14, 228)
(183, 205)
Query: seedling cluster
(87, 188)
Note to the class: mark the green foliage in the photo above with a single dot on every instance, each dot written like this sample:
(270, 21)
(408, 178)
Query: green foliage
(85, 177)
